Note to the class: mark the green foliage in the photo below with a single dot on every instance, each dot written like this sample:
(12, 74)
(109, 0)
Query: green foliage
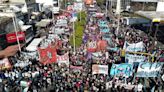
(79, 28)
(100, 2)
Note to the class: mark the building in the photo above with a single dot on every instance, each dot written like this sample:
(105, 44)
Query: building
(49, 5)
(124, 4)
(13, 29)
(30, 4)
(5, 26)
(143, 5)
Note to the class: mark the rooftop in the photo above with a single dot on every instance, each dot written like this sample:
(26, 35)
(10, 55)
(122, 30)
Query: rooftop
(152, 15)
(4, 19)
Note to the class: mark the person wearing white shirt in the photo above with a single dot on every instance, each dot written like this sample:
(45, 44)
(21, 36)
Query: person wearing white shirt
(139, 87)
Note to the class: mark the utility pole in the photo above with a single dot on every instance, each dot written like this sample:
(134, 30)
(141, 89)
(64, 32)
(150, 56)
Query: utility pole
(118, 10)
(16, 29)
(106, 8)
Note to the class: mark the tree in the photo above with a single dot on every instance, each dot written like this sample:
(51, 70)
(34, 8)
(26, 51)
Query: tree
(100, 2)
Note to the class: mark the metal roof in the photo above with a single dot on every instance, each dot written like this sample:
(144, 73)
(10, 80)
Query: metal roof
(152, 15)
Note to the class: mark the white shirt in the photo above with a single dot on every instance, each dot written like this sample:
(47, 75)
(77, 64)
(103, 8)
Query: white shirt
(139, 88)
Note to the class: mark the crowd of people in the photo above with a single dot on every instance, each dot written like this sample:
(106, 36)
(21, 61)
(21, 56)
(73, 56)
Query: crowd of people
(32, 76)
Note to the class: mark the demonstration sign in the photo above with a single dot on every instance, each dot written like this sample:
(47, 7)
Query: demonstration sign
(134, 47)
(130, 58)
(99, 69)
(148, 69)
(124, 69)
(63, 59)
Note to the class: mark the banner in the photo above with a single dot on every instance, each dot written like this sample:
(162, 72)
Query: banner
(124, 69)
(99, 69)
(97, 55)
(148, 69)
(63, 59)
(76, 67)
(11, 37)
(47, 55)
(101, 45)
(92, 46)
(130, 58)
(5, 64)
(134, 47)
(78, 6)
(89, 2)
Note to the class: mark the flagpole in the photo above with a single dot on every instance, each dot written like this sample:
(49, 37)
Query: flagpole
(74, 37)
(14, 23)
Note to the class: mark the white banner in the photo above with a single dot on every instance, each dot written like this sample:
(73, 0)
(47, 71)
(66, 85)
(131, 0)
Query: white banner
(134, 47)
(99, 69)
(92, 44)
(130, 58)
(148, 69)
(63, 59)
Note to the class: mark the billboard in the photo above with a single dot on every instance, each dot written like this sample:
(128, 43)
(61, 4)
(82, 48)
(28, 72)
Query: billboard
(12, 37)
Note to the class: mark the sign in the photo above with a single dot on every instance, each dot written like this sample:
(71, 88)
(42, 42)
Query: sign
(99, 69)
(11, 37)
(134, 47)
(124, 69)
(47, 55)
(92, 46)
(5, 64)
(76, 67)
(148, 69)
(78, 6)
(74, 16)
(63, 59)
(88, 2)
(130, 58)
(101, 45)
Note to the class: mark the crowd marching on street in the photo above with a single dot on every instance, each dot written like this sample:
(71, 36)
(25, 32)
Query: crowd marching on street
(105, 61)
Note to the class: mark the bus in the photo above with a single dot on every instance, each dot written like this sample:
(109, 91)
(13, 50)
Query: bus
(135, 20)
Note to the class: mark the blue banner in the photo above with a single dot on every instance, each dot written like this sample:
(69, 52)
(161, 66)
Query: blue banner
(103, 23)
(124, 69)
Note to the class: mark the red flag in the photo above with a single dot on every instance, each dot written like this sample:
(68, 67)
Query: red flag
(53, 52)
(47, 55)
(101, 45)
(43, 55)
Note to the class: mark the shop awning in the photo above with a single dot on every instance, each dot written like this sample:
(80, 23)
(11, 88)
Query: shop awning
(34, 44)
